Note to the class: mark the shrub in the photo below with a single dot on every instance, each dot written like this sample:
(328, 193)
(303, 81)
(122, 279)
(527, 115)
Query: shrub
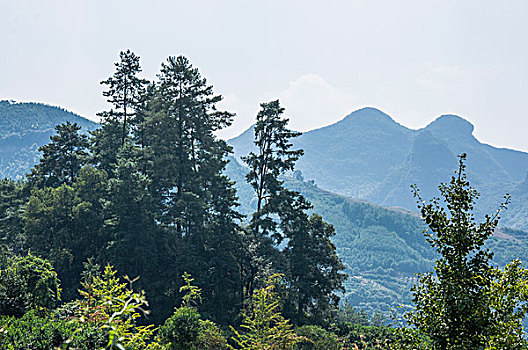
(35, 332)
(317, 338)
(27, 283)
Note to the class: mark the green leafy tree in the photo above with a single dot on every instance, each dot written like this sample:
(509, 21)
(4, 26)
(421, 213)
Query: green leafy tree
(115, 307)
(125, 93)
(273, 158)
(134, 247)
(184, 158)
(263, 326)
(314, 270)
(106, 142)
(35, 331)
(466, 303)
(62, 158)
(27, 282)
(185, 329)
(310, 262)
(66, 225)
(13, 197)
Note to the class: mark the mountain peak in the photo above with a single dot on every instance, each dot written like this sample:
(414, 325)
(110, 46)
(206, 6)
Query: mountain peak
(450, 123)
(368, 114)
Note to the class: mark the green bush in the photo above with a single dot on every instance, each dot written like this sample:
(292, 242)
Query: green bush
(319, 339)
(210, 337)
(33, 332)
(181, 330)
(185, 330)
(365, 337)
(27, 283)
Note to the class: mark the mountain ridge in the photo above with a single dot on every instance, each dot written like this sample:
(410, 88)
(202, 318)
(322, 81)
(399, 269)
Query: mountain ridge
(368, 155)
(382, 247)
(24, 127)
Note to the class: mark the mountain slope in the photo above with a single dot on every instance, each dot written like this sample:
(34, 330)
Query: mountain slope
(368, 155)
(24, 127)
(382, 248)
(419, 168)
(340, 160)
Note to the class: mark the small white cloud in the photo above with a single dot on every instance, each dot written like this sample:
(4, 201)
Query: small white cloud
(311, 102)
(245, 110)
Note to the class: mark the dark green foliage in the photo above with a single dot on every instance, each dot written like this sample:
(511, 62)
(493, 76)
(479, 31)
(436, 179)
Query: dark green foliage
(314, 269)
(309, 260)
(66, 224)
(192, 201)
(273, 158)
(181, 330)
(106, 142)
(185, 329)
(124, 90)
(13, 196)
(36, 332)
(27, 283)
(62, 158)
(105, 317)
(130, 225)
(152, 205)
(317, 339)
(183, 158)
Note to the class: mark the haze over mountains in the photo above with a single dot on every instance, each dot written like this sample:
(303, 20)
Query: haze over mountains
(366, 155)
(370, 156)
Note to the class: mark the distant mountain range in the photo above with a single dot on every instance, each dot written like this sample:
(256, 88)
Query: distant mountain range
(24, 127)
(367, 155)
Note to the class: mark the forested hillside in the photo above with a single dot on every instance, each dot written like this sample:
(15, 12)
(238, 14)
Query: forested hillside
(368, 155)
(24, 127)
(235, 256)
(146, 194)
(382, 248)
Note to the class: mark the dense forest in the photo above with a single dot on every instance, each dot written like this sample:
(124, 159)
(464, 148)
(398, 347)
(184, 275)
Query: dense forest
(131, 237)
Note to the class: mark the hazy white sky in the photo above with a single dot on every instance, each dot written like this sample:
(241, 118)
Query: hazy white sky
(414, 59)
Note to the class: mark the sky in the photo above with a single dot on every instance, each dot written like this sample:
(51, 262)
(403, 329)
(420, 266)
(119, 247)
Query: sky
(413, 59)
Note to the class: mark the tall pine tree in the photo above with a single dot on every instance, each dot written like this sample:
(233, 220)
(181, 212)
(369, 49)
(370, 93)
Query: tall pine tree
(194, 201)
(272, 159)
(62, 158)
(309, 260)
(125, 93)
(125, 88)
